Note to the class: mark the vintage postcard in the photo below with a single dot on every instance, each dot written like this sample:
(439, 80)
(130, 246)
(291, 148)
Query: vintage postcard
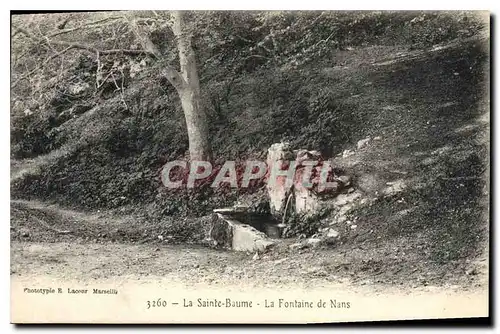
(249, 166)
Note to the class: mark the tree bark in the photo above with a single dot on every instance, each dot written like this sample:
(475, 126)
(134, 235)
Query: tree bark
(196, 119)
(186, 83)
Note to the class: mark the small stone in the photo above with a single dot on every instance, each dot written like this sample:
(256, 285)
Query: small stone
(332, 234)
(344, 209)
(363, 142)
(394, 187)
(377, 138)
(25, 234)
(314, 270)
(256, 256)
(314, 241)
(341, 219)
(353, 227)
(157, 250)
(297, 245)
(471, 271)
(160, 237)
(346, 180)
(78, 88)
(343, 199)
(196, 266)
(347, 153)
(348, 222)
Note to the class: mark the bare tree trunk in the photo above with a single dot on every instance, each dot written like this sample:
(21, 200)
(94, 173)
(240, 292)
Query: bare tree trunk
(196, 119)
(186, 83)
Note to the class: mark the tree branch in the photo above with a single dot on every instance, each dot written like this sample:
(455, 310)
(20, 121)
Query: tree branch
(45, 40)
(60, 53)
(86, 25)
(102, 52)
(84, 47)
(143, 38)
(172, 75)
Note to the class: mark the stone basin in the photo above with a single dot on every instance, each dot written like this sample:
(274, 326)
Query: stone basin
(250, 232)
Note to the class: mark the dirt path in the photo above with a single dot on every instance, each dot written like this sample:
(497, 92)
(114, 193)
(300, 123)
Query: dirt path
(197, 265)
(307, 268)
(141, 273)
(50, 240)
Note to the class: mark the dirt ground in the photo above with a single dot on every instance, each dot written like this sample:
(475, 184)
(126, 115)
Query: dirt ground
(195, 265)
(68, 245)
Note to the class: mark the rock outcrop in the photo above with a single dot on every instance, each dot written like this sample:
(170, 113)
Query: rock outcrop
(295, 195)
(278, 191)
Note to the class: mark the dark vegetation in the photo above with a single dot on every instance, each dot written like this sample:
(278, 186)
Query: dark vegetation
(304, 78)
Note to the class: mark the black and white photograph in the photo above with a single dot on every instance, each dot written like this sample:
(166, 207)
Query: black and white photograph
(266, 167)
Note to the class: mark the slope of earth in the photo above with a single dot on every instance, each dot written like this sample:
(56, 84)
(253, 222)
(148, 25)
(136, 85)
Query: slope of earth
(431, 114)
(110, 158)
(427, 174)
